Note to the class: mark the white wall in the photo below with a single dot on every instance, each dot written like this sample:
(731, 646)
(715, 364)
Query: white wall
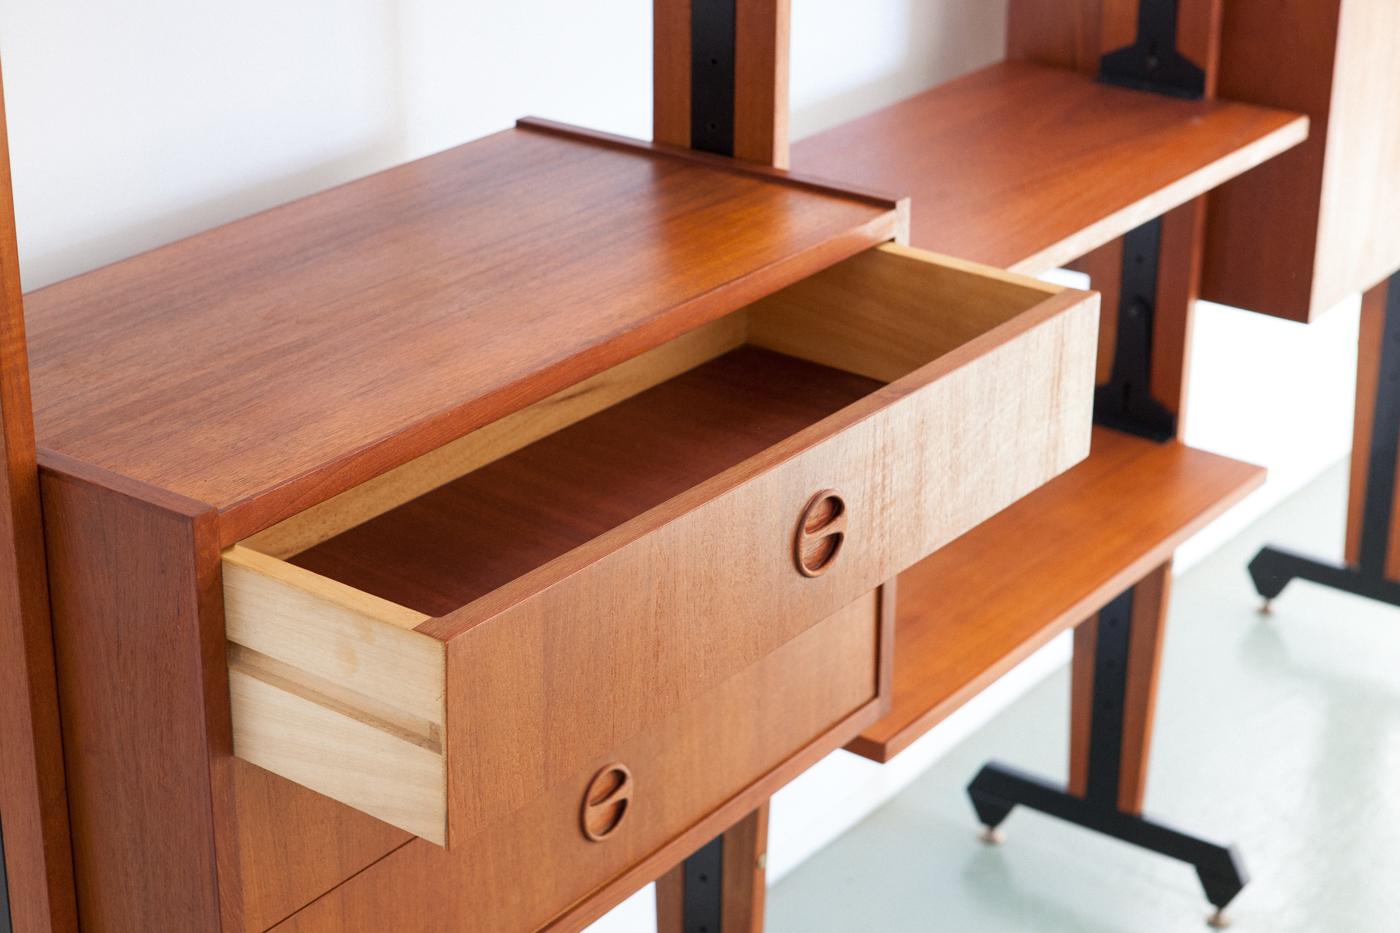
(136, 124)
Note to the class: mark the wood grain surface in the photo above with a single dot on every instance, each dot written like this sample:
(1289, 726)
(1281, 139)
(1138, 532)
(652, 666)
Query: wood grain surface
(1027, 167)
(970, 612)
(1297, 256)
(536, 869)
(143, 688)
(33, 806)
(264, 366)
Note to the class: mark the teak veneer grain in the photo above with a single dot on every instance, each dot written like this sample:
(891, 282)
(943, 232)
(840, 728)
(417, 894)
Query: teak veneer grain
(970, 612)
(1027, 167)
(268, 364)
(522, 511)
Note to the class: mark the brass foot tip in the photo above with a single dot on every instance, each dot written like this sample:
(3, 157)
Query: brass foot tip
(1266, 608)
(991, 836)
(1218, 920)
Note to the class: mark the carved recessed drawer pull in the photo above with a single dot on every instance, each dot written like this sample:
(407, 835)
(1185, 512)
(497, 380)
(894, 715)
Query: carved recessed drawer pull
(606, 801)
(820, 533)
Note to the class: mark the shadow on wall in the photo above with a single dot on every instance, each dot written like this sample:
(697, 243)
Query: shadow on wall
(848, 60)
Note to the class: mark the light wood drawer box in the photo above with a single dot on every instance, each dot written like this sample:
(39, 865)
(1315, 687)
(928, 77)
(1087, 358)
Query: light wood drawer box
(466, 635)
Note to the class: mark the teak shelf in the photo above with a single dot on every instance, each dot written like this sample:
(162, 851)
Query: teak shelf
(1029, 167)
(969, 613)
(1041, 161)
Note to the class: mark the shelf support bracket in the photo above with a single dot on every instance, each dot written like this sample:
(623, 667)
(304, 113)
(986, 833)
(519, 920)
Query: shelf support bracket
(999, 788)
(1125, 402)
(1152, 62)
(1274, 568)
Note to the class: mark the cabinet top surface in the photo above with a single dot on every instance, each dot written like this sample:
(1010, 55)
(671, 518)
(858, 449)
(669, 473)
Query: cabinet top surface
(267, 364)
(1027, 167)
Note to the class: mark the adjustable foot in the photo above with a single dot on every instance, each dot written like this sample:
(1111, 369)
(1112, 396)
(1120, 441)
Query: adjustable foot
(1218, 920)
(999, 788)
(991, 836)
(1274, 568)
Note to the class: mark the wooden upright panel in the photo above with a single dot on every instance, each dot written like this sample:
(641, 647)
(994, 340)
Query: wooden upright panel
(144, 697)
(1333, 233)
(33, 808)
(1368, 365)
(743, 875)
(760, 77)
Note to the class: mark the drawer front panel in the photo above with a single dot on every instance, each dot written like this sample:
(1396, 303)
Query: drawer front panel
(628, 632)
(529, 869)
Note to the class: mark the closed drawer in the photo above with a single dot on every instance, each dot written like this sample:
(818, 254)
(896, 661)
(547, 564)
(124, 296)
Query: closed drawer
(462, 637)
(647, 802)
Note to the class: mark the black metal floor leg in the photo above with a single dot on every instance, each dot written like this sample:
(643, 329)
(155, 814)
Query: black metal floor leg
(1272, 568)
(998, 788)
(702, 894)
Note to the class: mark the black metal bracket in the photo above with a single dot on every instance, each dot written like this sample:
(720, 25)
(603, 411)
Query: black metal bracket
(702, 889)
(5, 919)
(1152, 62)
(712, 76)
(1125, 402)
(1274, 568)
(998, 789)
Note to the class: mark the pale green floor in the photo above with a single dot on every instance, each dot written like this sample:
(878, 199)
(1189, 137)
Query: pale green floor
(1281, 734)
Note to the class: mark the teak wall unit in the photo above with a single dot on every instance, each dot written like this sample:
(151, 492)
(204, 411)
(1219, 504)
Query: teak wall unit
(1094, 145)
(667, 459)
(466, 546)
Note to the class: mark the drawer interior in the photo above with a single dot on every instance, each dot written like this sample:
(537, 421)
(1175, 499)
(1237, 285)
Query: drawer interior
(454, 525)
(340, 620)
(476, 533)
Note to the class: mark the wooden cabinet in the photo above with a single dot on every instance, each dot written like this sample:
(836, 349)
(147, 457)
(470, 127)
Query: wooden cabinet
(539, 500)
(1314, 226)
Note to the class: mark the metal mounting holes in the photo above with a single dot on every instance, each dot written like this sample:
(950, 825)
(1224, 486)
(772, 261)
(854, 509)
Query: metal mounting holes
(821, 531)
(606, 801)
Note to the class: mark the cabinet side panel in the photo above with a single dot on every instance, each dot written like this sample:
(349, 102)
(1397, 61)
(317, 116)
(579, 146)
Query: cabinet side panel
(35, 862)
(1262, 233)
(1357, 246)
(144, 699)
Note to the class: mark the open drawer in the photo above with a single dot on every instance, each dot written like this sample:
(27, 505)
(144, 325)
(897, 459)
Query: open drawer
(475, 630)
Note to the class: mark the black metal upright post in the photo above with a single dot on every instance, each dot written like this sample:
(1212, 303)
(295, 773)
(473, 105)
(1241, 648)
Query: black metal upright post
(702, 889)
(1274, 568)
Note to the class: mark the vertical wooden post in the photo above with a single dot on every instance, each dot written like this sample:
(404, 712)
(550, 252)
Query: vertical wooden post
(743, 876)
(1368, 365)
(758, 48)
(33, 806)
(1073, 34)
(760, 75)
